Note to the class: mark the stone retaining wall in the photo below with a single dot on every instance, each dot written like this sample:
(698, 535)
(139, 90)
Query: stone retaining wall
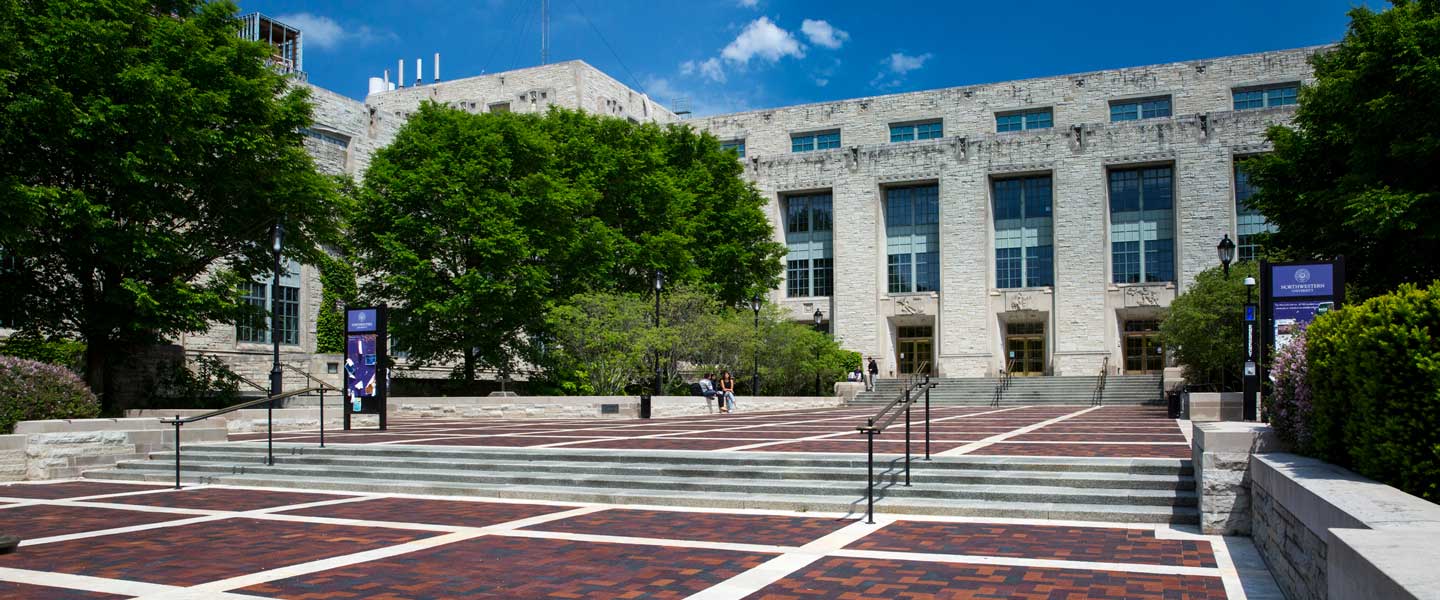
(1220, 453)
(58, 449)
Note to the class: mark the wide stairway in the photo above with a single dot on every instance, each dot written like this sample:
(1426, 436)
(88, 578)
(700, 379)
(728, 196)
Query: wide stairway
(1024, 391)
(1120, 490)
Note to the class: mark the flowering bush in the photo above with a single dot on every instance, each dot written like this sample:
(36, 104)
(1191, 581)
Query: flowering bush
(31, 390)
(1289, 407)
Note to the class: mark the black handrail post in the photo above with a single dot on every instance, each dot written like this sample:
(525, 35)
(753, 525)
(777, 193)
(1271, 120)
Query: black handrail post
(177, 451)
(907, 438)
(270, 432)
(927, 416)
(870, 481)
(322, 417)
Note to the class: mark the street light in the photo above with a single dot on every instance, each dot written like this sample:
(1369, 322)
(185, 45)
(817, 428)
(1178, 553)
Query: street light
(659, 287)
(277, 239)
(1226, 250)
(755, 374)
(819, 318)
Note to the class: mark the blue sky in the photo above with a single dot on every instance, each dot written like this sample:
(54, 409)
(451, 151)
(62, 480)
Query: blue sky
(732, 55)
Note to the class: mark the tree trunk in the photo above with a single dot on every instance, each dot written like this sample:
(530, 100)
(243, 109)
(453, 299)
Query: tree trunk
(98, 375)
(469, 364)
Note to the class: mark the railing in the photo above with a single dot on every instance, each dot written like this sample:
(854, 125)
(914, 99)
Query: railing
(884, 418)
(1098, 398)
(323, 385)
(270, 424)
(1003, 382)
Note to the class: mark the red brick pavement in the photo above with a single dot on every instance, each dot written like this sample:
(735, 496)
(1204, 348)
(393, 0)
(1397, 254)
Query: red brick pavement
(662, 444)
(70, 489)
(210, 551)
(514, 568)
(40, 520)
(866, 579)
(774, 530)
(224, 499)
(917, 446)
(432, 512)
(1057, 542)
(23, 591)
(1046, 436)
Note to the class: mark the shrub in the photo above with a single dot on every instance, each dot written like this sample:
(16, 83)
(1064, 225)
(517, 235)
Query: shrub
(1203, 326)
(1374, 374)
(66, 353)
(1288, 407)
(31, 391)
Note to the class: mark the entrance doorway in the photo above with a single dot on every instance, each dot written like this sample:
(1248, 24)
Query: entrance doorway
(1025, 348)
(1143, 351)
(914, 343)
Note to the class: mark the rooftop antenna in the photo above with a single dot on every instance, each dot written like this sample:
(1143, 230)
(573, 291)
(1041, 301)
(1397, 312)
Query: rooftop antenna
(544, 32)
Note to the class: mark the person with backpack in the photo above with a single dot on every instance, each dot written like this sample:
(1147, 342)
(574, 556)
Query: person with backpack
(707, 389)
(874, 371)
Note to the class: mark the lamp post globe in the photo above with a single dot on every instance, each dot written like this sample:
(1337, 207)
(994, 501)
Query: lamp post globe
(755, 373)
(1226, 250)
(819, 320)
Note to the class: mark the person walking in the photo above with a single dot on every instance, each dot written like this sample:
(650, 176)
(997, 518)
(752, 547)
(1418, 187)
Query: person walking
(727, 391)
(874, 371)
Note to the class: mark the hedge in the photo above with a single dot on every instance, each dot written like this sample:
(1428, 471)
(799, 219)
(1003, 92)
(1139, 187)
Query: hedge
(1374, 375)
(31, 391)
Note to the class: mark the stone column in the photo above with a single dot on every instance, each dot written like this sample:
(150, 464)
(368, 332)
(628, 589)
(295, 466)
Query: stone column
(1221, 456)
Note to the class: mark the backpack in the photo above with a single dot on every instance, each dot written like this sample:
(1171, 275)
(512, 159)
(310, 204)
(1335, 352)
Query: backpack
(695, 389)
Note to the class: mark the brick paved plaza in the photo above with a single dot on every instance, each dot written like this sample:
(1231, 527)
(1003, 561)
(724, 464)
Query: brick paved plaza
(1060, 431)
(87, 539)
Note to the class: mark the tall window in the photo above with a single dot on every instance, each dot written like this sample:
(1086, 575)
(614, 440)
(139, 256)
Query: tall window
(1142, 225)
(256, 329)
(909, 132)
(1248, 221)
(1265, 96)
(912, 233)
(1024, 250)
(1028, 119)
(1148, 108)
(737, 145)
(815, 141)
(809, 267)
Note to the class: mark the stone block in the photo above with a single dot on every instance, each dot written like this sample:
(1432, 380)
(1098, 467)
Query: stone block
(1210, 406)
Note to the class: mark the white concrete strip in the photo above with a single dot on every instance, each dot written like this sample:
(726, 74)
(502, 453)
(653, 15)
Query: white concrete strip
(967, 448)
(82, 582)
(642, 541)
(1007, 561)
(780, 567)
(131, 529)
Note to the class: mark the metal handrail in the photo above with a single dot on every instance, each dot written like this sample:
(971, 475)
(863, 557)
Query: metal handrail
(1003, 382)
(322, 383)
(884, 418)
(1098, 398)
(250, 382)
(270, 424)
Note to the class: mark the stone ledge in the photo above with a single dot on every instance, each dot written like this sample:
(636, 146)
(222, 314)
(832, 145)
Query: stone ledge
(1324, 496)
(1365, 564)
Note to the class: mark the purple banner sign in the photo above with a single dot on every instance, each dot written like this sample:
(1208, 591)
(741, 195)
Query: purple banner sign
(358, 320)
(1298, 281)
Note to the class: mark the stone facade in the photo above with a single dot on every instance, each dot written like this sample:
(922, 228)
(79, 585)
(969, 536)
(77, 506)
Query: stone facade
(1295, 555)
(58, 449)
(1220, 454)
(1083, 312)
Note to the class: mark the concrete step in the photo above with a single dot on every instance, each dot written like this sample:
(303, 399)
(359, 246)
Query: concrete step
(885, 501)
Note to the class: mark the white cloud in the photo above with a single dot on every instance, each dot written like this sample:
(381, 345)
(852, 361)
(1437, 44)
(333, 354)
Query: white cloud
(900, 63)
(822, 33)
(764, 39)
(822, 82)
(665, 92)
(687, 67)
(749, 3)
(712, 70)
(323, 33)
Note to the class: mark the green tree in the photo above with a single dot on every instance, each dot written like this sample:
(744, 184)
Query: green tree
(1356, 173)
(473, 225)
(1203, 325)
(145, 153)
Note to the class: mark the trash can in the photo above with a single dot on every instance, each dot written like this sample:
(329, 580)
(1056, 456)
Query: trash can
(8, 543)
(1172, 399)
(644, 406)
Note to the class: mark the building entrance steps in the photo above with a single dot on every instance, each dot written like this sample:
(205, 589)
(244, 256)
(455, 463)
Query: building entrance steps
(1105, 489)
(1026, 391)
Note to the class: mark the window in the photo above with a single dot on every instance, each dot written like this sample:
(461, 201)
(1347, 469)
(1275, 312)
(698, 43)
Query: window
(815, 141)
(1142, 225)
(912, 234)
(256, 329)
(334, 139)
(737, 145)
(910, 132)
(1266, 96)
(1248, 221)
(499, 107)
(810, 266)
(1148, 108)
(1029, 119)
(1024, 250)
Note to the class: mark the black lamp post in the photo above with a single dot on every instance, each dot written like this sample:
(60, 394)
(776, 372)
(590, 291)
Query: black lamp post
(659, 287)
(819, 319)
(277, 239)
(755, 374)
(1226, 250)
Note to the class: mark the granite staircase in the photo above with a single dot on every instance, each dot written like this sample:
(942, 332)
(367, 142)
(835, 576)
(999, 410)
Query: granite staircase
(1116, 490)
(1026, 391)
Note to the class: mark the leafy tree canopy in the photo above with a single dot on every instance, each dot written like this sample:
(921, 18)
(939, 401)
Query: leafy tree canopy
(471, 225)
(145, 152)
(1203, 325)
(1358, 173)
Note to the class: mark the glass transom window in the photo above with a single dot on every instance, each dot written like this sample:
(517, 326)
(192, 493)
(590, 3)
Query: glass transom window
(737, 145)
(809, 266)
(808, 142)
(909, 132)
(1024, 246)
(256, 329)
(912, 236)
(1132, 110)
(1266, 96)
(1249, 223)
(1042, 118)
(1142, 225)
